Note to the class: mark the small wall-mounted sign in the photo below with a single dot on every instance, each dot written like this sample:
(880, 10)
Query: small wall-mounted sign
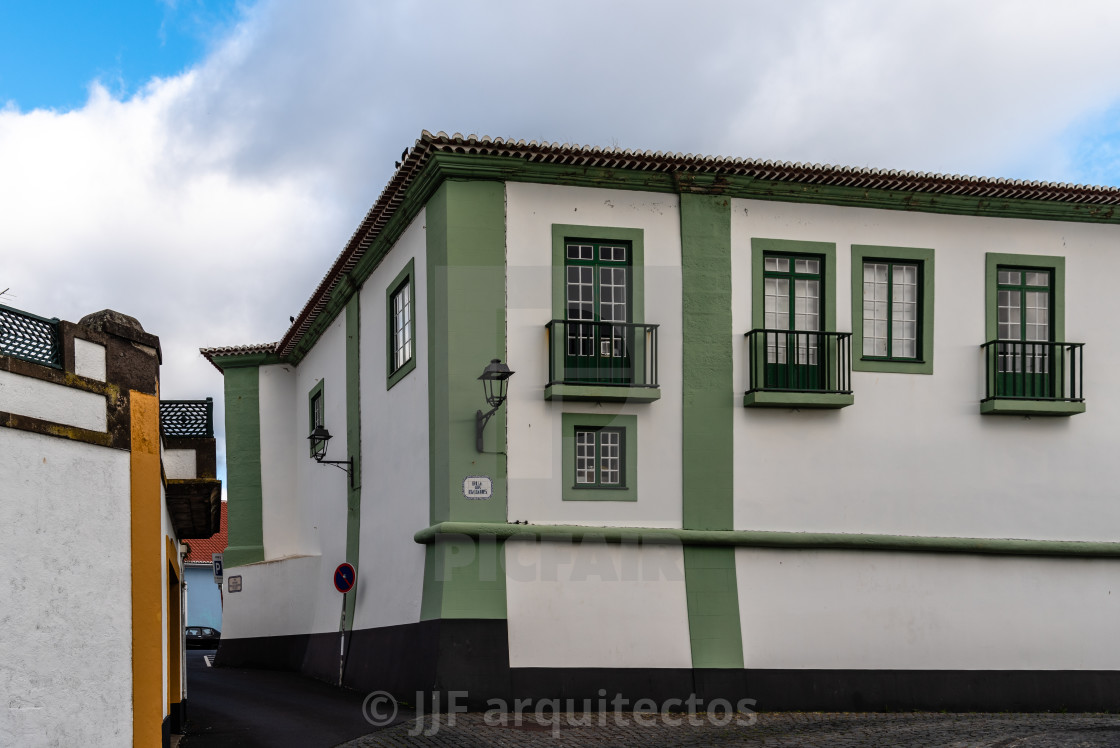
(478, 487)
(234, 584)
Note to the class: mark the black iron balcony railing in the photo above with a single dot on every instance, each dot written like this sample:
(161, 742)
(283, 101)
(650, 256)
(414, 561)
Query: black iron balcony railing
(622, 354)
(1016, 370)
(29, 337)
(798, 361)
(187, 417)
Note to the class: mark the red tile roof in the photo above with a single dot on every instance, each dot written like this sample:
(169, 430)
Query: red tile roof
(202, 549)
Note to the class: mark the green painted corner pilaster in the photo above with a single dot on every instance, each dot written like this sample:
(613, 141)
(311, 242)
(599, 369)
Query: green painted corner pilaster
(708, 429)
(466, 291)
(713, 607)
(243, 466)
(353, 446)
(708, 391)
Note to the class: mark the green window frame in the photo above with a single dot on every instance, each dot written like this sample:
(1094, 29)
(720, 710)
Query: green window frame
(825, 251)
(600, 457)
(622, 429)
(316, 409)
(563, 234)
(1055, 266)
(923, 257)
(400, 324)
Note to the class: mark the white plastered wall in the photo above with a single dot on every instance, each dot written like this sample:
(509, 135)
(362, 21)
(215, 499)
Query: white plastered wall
(281, 510)
(923, 611)
(52, 402)
(179, 464)
(303, 513)
(276, 598)
(322, 489)
(913, 455)
(65, 601)
(89, 359)
(596, 605)
(533, 424)
(395, 462)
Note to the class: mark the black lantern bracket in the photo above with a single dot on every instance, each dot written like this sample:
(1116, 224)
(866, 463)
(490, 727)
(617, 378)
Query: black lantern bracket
(494, 381)
(319, 438)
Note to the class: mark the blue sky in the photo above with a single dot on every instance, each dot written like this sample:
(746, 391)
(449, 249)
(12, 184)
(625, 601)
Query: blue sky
(51, 50)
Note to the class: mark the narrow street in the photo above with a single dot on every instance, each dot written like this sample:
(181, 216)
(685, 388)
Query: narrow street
(235, 708)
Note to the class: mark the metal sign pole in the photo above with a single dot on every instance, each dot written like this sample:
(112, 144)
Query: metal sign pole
(342, 641)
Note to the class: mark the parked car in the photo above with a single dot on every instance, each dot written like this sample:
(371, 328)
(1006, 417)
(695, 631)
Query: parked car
(203, 637)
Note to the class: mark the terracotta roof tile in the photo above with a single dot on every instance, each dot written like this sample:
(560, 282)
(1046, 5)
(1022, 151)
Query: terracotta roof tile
(202, 549)
(236, 350)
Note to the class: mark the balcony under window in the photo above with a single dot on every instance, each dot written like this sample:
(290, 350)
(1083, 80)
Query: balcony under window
(798, 369)
(1033, 378)
(601, 361)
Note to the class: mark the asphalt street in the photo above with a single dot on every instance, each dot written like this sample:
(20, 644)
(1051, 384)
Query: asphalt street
(236, 708)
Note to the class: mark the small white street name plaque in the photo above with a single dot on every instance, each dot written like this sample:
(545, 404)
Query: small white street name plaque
(478, 487)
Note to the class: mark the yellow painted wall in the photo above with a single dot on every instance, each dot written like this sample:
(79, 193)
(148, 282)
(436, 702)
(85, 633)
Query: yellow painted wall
(147, 572)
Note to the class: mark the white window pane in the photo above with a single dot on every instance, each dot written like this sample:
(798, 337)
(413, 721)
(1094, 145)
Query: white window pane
(585, 456)
(777, 264)
(1038, 279)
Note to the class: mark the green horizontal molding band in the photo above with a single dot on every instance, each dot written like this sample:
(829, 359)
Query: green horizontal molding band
(774, 539)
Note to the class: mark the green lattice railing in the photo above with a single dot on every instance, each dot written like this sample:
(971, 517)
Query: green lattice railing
(29, 337)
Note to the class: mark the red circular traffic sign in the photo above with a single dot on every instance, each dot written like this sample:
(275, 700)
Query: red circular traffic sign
(344, 578)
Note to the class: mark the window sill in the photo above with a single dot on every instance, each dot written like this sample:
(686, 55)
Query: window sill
(400, 373)
(600, 494)
(1012, 407)
(601, 393)
(772, 399)
(892, 366)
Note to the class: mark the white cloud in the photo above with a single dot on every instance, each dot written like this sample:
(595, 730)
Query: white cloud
(209, 204)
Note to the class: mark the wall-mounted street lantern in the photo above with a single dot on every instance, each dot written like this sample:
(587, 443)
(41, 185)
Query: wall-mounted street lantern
(319, 438)
(494, 378)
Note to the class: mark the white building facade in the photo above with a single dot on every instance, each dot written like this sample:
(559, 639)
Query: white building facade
(809, 435)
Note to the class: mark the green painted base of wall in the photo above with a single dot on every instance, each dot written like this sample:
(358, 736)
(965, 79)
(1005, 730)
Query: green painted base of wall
(1030, 408)
(601, 394)
(820, 400)
(713, 607)
(464, 577)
